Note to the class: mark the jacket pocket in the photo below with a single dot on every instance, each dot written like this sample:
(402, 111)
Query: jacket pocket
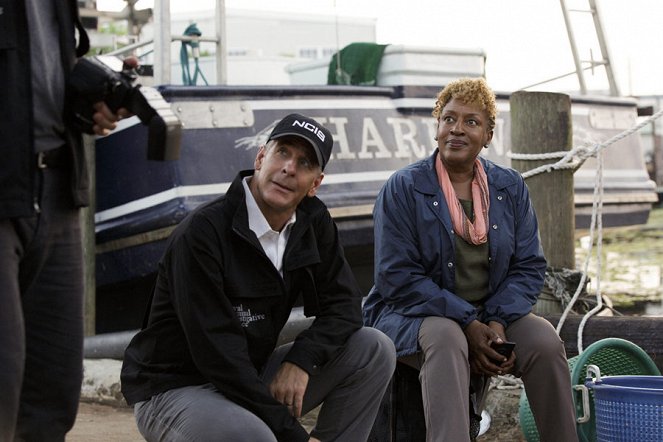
(254, 303)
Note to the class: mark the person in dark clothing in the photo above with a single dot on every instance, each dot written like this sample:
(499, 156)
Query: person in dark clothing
(205, 367)
(43, 183)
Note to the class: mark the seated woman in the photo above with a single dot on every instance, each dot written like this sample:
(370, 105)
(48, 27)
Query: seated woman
(458, 267)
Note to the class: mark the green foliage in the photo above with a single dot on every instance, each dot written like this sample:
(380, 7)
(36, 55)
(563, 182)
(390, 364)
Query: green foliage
(117, 28)
(656, 217)
(114, 28)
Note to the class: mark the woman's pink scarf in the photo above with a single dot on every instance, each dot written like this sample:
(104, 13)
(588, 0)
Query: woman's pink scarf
(473, 233)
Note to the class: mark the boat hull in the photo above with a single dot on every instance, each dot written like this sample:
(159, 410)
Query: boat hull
(376, 130)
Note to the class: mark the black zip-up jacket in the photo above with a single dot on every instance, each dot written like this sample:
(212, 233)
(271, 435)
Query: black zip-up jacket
(219, 304)
(18, 166)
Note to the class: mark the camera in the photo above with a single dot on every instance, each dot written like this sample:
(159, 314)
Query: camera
(105, 78)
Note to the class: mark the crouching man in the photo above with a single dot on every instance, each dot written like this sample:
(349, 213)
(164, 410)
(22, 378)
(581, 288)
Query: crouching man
(205, 367)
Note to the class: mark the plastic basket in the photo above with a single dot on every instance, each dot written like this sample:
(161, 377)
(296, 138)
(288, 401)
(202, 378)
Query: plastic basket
(627, 408)
(614, 356)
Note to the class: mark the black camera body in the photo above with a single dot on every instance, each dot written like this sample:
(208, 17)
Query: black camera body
(95, 79)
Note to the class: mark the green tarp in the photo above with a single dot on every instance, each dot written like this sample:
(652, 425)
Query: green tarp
(359, 63)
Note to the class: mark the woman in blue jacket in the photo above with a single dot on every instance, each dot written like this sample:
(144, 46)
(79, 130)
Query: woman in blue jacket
(458, 267)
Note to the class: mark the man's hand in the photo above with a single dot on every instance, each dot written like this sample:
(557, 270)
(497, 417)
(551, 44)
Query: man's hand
(289, 386)
(106, 120)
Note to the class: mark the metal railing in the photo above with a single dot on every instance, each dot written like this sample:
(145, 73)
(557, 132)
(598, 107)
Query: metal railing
(163, 37)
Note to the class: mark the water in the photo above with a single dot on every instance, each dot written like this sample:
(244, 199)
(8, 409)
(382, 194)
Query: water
(654, 309)
(647, 308)
(631, 268)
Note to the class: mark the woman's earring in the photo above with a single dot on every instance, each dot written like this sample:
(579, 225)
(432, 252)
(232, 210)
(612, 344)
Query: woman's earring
(435, 138)
(485, 146)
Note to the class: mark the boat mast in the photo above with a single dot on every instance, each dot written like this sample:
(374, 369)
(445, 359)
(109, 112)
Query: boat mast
(162, 39)
(603, 46)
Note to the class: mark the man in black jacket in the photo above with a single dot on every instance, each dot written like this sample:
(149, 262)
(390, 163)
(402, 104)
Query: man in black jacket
(43, 182)
(205, 366)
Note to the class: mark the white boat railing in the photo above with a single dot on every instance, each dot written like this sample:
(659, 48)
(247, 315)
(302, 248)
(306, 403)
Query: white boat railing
(163, 37)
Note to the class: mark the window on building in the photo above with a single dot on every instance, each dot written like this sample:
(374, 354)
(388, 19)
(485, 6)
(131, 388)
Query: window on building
(317, 52)
(308, 53)
(238, 52)
(328, 52)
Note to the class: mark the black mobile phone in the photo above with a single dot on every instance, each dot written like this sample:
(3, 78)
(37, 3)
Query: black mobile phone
(504, 348)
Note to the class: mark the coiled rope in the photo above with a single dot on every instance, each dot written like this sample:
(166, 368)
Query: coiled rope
(188, 80)
(573, 159)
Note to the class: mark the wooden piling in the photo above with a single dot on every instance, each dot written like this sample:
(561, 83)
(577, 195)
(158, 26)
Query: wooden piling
(541, 123)
(89, 243)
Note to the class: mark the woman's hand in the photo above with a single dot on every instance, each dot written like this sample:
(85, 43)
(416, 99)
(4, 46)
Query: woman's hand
(482, 357)
(507, 365)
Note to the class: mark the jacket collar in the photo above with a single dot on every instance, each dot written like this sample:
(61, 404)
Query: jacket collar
(306, 210)
(308, 207)
(426, 181)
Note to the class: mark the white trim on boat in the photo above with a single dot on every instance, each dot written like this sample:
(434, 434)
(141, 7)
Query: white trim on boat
(327, 103)
(344, 178)
(218, 189)
(160, 198)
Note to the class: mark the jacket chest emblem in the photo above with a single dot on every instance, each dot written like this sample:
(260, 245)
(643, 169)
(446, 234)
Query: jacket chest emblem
(246, 316)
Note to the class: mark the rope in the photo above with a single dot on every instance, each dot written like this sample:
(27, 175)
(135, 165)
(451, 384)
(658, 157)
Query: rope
(599, 252)
(187, 79)
(506, 382)
(596, 221)
(537, 156)
(575, 158)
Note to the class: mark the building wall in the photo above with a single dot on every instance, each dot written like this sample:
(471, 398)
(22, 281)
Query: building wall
(262, 44)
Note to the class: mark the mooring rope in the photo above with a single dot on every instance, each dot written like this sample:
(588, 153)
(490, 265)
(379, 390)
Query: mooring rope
(596, 222)
(573, 159)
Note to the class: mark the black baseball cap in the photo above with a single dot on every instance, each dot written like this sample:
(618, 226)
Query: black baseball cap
(307, 128)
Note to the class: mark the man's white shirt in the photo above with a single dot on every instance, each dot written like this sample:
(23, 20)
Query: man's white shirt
(273, 242)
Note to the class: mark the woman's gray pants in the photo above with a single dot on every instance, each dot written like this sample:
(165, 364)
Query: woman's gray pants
(445, 378)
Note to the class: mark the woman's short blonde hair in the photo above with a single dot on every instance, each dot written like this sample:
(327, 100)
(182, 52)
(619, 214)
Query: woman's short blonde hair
(472, 91)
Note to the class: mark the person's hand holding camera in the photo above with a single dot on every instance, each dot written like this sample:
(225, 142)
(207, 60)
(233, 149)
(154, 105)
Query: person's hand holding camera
(105, 120)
